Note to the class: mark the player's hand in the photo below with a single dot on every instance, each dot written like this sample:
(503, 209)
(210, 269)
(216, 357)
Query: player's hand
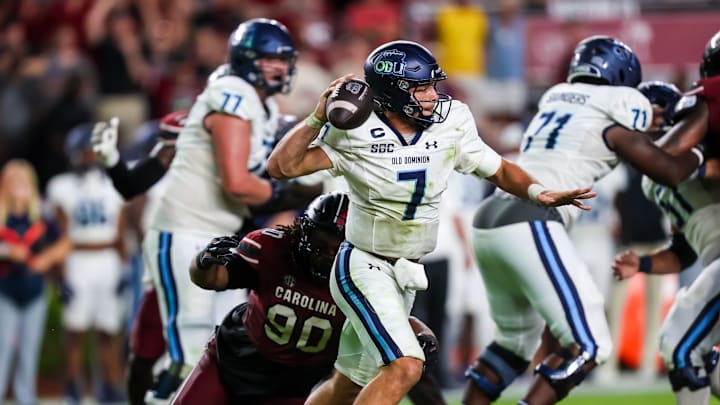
(626, 265)
(320, 112)
(550, 198)
(218, 252)
(104, 141)
(429, 344)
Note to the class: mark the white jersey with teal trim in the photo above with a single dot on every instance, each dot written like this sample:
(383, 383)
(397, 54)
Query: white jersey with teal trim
(194, 200)
(564, 145)
(693, 207)
(396, 183)
(91, 204)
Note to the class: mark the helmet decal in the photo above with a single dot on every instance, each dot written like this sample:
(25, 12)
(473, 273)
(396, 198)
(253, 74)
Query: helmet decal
(391, 62)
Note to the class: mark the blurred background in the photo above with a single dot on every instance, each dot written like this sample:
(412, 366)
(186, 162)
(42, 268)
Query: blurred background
(68, 62)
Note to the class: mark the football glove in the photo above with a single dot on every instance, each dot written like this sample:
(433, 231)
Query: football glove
(429, 345)
(218, 251)
(104, 140)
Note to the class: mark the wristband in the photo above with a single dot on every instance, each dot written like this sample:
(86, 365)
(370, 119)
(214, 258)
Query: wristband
(645, 264)
(534, 190)
(313, 122)
(699, 154)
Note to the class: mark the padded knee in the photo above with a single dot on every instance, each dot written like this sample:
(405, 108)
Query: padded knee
(503, 363)
(687, 377)
(568, 375)
(712, 366)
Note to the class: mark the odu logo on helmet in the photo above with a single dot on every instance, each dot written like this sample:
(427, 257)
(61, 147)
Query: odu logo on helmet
(391, 61)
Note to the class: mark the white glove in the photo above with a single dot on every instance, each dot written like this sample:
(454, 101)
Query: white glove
(104, 141)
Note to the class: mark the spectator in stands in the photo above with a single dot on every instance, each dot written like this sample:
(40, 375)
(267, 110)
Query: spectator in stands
(30, 245)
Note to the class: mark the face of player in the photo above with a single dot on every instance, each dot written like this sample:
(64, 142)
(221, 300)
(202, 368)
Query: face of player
(426, 96)
(325, 245)
(274, 69)
(656, 127)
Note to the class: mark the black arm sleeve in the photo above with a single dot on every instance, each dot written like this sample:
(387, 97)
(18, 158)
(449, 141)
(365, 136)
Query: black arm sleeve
(682, 249)
(132, 182)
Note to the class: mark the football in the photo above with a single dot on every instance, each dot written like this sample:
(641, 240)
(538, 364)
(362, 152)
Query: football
(350, 104)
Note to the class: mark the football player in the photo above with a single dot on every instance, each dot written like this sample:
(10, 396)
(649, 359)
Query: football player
(147, 342)
(697, 112)
(690, 330)
(214, 177)
(533, 273)
(278, 345)
(89, 211)
(397, 165)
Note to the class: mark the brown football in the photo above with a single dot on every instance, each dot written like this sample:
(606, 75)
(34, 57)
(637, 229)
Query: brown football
(350, 104)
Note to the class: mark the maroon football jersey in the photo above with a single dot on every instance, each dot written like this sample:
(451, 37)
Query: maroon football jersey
(291, 318)
(709, 89)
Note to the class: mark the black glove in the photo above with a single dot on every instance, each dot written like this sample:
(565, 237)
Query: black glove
(218, 251)
(429, 345)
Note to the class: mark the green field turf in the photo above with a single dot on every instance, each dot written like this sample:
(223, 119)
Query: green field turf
(595, 399)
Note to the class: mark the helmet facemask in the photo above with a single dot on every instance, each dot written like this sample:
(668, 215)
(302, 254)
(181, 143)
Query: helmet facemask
(261, 38)
(316, 252)
(414, 111)
(268, 78)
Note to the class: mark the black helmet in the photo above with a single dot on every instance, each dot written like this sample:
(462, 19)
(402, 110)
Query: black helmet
(710, 64)
(327, 212)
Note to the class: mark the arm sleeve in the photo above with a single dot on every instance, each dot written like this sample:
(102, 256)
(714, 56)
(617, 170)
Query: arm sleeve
(682, 249)
(132, 182)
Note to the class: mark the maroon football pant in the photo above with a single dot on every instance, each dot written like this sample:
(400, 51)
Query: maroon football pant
(203, 385)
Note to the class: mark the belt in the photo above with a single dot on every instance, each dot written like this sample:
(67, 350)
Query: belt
(391, 260)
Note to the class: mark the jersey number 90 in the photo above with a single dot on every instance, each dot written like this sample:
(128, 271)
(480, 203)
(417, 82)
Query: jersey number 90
(281, 332)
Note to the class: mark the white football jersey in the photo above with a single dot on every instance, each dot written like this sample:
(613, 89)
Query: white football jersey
(91, 204)
(564, 145)
(396, 183)
(693, 207)
(194, 200)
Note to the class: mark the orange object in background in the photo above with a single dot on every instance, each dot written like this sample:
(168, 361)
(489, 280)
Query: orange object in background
(632, 328)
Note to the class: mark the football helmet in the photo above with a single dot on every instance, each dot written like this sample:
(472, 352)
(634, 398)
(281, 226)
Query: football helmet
(666, 95)
(257, 38)
(78, 147)
(394, 69)
(710, 64)
(604, 60)
(327, 212)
